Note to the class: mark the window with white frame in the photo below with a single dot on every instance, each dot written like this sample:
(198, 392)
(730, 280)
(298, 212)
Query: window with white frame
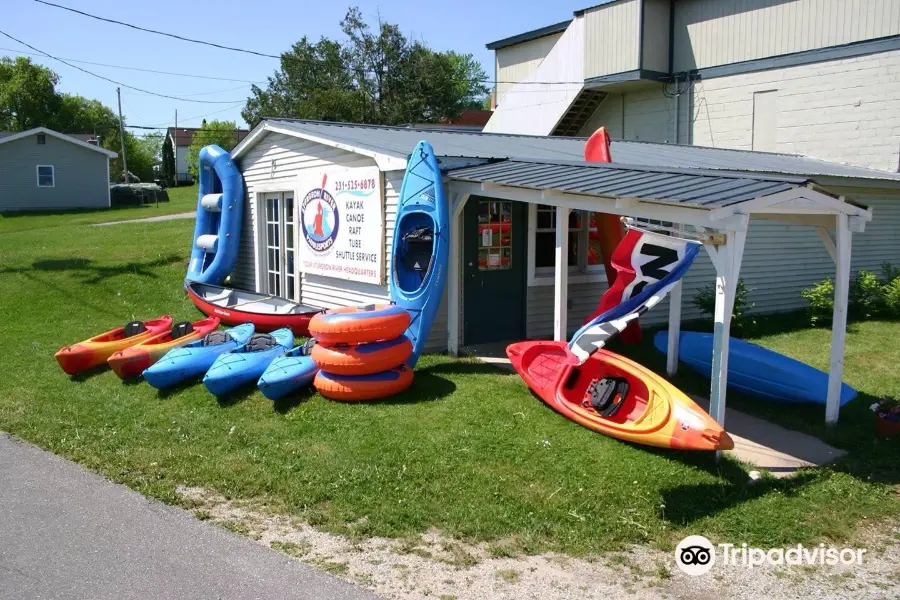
(584, 241)
(45, 176)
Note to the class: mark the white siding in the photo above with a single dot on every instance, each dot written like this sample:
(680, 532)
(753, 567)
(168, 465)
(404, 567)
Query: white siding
(292, 156)
(656, 35)
(536, 109)
(611, 38)
(718, 32)
(780, 260)
(642, 115)
(845, 111)
(515, 63)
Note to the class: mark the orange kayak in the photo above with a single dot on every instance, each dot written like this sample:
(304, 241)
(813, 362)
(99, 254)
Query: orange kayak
(95, 351)
(132, 361)
(618, 397)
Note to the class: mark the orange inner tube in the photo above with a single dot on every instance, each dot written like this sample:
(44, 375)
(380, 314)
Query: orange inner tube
(358, 388)
(362, 359)
(359, 324)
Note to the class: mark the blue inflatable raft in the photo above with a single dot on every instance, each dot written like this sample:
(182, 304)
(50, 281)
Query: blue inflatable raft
(756, 371)
(289, 372)
(220, 207)
(197, 357)
(246, 364)
(421, 245)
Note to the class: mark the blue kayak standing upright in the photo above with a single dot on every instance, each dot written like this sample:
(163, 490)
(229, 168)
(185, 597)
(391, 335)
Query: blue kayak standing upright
(421, 245)
(220, 207)
(247, 363)
(197, 357)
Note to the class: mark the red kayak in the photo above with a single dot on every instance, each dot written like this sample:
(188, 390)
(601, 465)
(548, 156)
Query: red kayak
(618, 397)
(235, 307)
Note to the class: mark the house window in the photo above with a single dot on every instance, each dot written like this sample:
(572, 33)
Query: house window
(45, 176)
(494, 235)
(584, 241)
(41, 138)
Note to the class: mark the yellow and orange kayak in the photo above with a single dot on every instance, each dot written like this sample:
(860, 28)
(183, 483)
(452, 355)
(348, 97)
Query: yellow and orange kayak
(132, 361)
(617, 397)
(95, 351)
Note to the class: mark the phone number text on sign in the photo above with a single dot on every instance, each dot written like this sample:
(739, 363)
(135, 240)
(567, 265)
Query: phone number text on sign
(354, 184)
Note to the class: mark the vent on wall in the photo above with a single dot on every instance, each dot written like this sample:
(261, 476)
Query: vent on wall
(579, 113)
(41, 138)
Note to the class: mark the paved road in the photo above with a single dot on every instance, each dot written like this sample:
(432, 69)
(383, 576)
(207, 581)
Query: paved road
(66, 533)
(184, 215)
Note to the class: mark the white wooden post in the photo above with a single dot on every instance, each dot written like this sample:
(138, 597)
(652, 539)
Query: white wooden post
(454, 291)
(561, 282)
(674, 329)
(728, 268)
(839, 320)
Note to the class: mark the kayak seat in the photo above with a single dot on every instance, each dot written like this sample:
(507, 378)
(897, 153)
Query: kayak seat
(215, 338)
(607, 395)
(181, 329)
(259, 342)
(418, 245)
(134, 328)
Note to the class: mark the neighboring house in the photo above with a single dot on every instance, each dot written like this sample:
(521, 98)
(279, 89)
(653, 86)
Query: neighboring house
(179, 140)
(807, 77)
(42, 169)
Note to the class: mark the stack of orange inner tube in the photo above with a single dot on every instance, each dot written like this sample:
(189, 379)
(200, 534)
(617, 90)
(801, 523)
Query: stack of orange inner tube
(361, 352)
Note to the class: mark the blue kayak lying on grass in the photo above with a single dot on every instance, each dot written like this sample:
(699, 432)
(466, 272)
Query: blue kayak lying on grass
(197, 357)
(246, 364)
(289, 372)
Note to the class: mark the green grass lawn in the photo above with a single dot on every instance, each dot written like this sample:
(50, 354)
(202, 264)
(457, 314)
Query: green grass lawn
(467, 449)
(181, 199)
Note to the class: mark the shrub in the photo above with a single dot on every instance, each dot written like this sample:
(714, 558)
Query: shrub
(821, 301)
(868, 296)
(741, 322)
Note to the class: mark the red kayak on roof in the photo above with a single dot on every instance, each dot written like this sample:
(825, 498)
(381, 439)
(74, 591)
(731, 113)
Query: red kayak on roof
(234, 307)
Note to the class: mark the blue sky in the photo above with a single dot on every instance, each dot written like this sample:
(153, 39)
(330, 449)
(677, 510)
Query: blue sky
(269, 26)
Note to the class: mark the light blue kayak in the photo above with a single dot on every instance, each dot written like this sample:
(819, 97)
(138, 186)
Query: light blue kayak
(197, 357)
(245, 365)
(756, 371)
(421, 245)
(289, 372)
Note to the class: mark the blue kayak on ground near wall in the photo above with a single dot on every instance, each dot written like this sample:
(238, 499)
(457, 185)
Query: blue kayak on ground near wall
(220, 208)
(247, 363)
(197, 357)
(421, 245)
(289, 372)
(756, 371)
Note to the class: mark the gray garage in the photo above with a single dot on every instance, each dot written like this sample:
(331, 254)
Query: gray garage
(41, 169)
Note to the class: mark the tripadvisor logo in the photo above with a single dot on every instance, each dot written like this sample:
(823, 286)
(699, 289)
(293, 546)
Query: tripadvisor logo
(695, 555)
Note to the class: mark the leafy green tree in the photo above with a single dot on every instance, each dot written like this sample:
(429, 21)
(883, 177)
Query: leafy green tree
(376, 75)
(28, 96)
(221, 133)
(77, 114)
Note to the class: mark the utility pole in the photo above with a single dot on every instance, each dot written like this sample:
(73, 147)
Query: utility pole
(175, 147)
(122, 135)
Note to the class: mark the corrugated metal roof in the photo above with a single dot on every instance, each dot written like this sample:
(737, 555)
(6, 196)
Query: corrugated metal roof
(397, 142)
(696, 187)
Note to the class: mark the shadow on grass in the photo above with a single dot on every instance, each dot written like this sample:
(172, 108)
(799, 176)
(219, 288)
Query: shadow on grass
(91, 273)
(290, 402)
(236, 396)
(89, 374)
(426, 387)
(172, 390)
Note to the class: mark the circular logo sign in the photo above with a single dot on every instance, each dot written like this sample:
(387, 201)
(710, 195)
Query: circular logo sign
(319, 220)
(695, 555)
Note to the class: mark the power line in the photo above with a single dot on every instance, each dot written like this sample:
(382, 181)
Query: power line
(131, 87)
(96, 64)
(254, 52)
